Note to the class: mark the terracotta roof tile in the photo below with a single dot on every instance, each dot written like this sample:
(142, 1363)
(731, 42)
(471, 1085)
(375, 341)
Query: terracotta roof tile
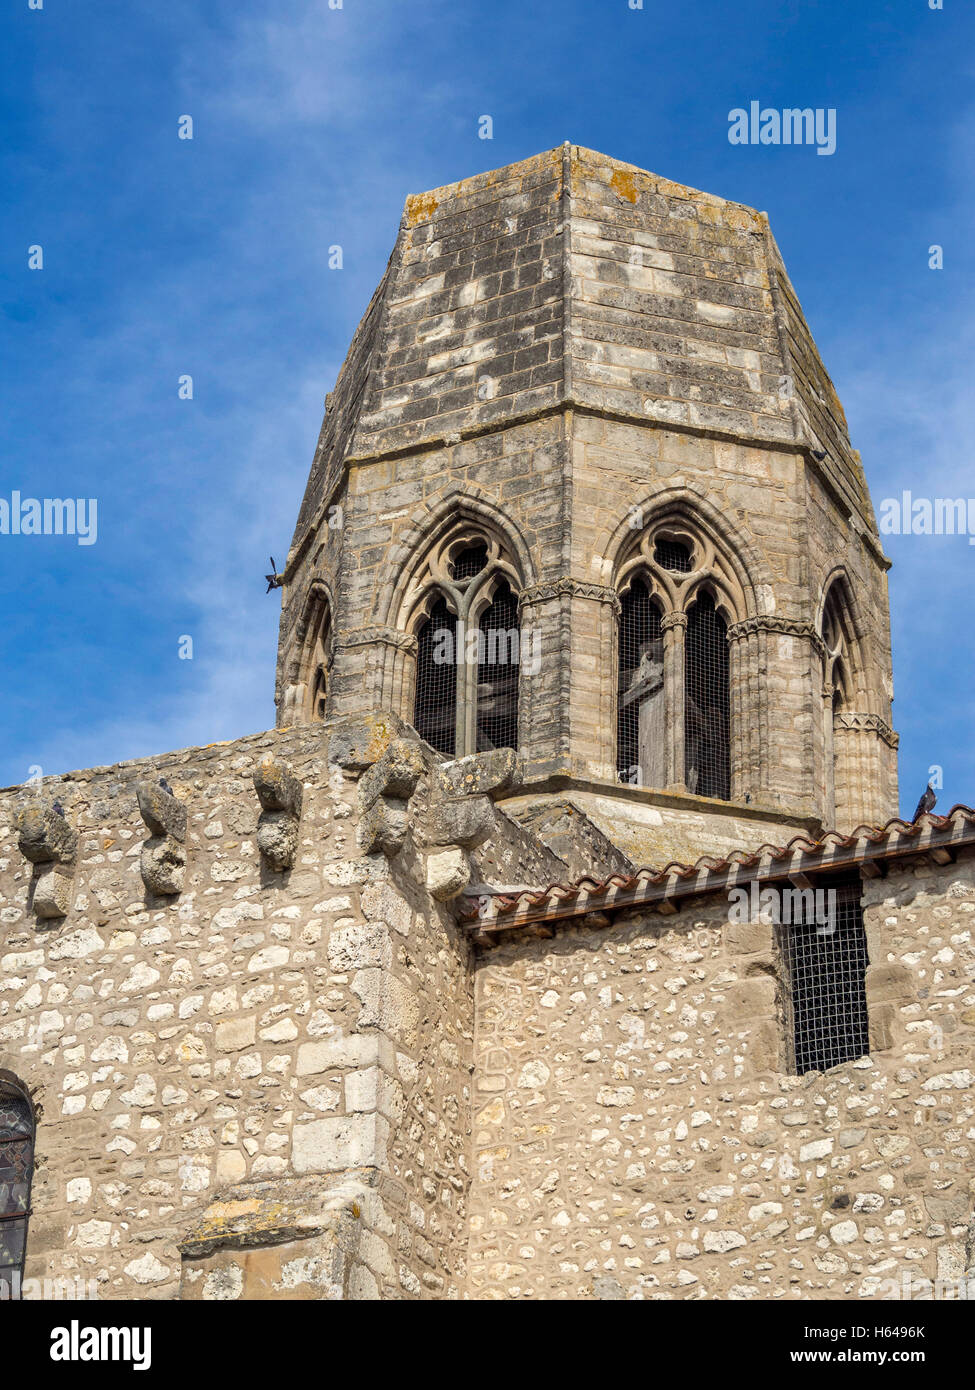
(589, 894)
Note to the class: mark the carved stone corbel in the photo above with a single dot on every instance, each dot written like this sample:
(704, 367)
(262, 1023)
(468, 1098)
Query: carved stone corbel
(48, 841)
(280, 794)
(163, 855)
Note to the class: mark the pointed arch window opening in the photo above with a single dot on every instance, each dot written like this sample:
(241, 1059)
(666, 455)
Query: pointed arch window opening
(841, 694)
(16, 1172)
(679, 591)
(473, 627)
(707, 701)
(435, 704)
(641, 722)
(498, 670)
(316, 664)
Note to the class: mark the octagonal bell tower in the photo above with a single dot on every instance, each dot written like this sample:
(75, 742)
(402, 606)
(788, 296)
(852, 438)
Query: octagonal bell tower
(584, 488)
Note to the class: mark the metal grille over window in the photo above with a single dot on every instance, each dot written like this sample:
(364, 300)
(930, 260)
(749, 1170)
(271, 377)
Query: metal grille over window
(469, 562)
(640, 730)
(499, 658)
(706, 702)
(435, 711)
(16, 1168)
(673, 555)
(826, 959)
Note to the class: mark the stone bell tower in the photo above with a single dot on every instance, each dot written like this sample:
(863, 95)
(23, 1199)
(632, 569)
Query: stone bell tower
(584, 404)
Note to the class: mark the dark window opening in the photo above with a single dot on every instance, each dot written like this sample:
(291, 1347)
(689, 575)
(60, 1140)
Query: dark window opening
(469, 561)
(319, 694)
(435, 706)
(319, 662)
(673, 555)
(640, 731)
(16, 1170)
(707, 746)
(498, 663)
(825, 949)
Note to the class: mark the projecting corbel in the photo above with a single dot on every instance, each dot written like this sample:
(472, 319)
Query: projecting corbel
(280, 794)
(48, 841)
(163, 855)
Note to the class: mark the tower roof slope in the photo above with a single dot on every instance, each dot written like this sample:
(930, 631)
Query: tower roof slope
(574, 278)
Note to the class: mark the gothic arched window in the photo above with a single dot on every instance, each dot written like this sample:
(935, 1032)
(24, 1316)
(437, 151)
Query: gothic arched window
(469, 645)
(641, 728)
(435, 705)
(673, 706)
(16, 1170)
(707, 749)
(320, 662)
(840, 668)
(498, 659)
(838, 640)
(307, 695)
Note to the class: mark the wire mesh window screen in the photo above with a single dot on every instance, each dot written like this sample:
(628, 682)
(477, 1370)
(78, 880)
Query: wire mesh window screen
(435, 706)
(499, 657)
(16, 1169)
(673, 555)
(640, 682)
(469, 561)
(826, 962)
(707, 748)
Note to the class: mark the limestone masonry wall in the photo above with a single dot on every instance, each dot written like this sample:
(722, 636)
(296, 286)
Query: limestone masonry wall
(303, 1083)
(636, 1134)
(254, 1030)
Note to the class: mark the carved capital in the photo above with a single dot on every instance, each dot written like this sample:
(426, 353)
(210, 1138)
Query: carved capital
(786, 627)
(572, 588)
(866, 723)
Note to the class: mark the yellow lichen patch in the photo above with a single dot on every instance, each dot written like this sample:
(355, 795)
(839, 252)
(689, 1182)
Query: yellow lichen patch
(229, 1211)
(624, 185)
(420, 207)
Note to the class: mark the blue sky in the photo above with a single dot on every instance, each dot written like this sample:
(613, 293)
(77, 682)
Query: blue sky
(209, 257)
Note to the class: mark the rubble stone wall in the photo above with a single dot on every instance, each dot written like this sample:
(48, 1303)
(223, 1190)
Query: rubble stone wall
(637, 1133)
(263, 1057)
